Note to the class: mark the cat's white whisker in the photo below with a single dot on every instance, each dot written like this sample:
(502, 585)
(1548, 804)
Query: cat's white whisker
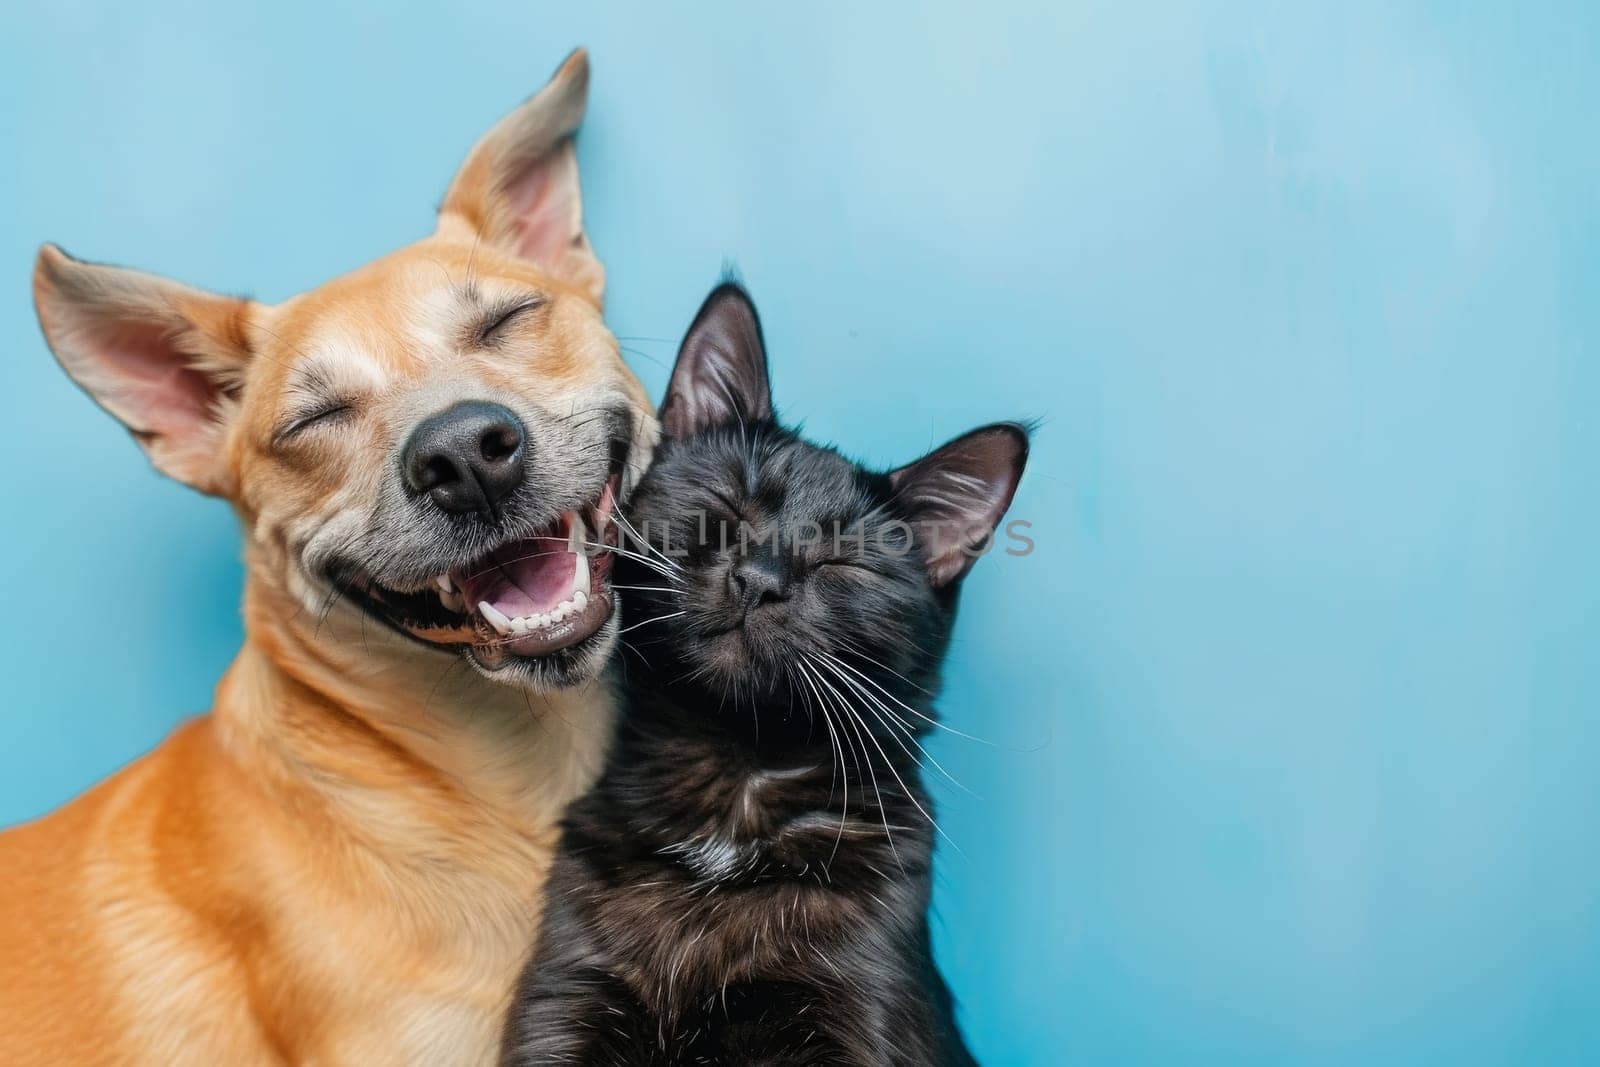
(876, 705)
(643, 561)
(647, 622)
(925, 718)
(858, 650)
(844, 807)
(856, 726)
(642, 540)
(908, 793)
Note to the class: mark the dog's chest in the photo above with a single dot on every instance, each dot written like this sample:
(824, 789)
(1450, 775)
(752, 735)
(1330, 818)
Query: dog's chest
(406, 1009)
(424, 975)
(422, 1028)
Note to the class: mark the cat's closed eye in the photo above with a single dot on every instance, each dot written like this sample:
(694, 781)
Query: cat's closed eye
(843, 565)
(727, 504)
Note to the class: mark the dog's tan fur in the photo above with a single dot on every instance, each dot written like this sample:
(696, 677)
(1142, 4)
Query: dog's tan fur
(341, 863)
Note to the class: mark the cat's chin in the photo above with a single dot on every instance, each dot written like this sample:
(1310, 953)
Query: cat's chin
(737, 665)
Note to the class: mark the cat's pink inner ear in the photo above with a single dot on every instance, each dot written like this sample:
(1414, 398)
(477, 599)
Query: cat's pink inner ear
(958, 493)
(721, 373)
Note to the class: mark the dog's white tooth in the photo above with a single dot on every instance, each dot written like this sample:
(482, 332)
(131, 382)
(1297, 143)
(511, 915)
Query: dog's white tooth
(578, 535)
(519, 625)
(496, 619)
(445, 585)
(580, 600)
(580, 575)
(577, 544)
(544, 619)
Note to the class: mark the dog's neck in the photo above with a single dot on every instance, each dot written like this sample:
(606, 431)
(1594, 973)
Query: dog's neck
(341, 704)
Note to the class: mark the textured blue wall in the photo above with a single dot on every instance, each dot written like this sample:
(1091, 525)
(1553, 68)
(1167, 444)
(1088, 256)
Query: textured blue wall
(1295, 706)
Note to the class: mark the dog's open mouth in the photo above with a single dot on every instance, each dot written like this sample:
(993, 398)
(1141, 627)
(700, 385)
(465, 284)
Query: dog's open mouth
(540, 594)
(531, 596)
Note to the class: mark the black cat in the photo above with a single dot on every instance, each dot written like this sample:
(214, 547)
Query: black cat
(748, 883)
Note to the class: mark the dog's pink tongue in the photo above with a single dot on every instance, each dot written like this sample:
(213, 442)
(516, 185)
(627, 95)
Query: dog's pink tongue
(525, 578)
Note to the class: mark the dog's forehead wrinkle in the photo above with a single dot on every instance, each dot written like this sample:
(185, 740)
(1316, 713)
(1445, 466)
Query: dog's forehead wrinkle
(432, 392)
(442, 315)
(338, 366)
(435, 318)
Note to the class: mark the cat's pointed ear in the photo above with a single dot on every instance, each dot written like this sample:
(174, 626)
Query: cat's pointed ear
(955, 496)
(518, 188)
(721, 373)
(163, 358)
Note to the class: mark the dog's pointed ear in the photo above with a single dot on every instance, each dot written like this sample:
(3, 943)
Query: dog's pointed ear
(721, 373)
(163, 358)
(519, 190)
(956, 495)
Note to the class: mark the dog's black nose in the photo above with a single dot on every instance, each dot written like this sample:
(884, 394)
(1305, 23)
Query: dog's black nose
(468, 457)
(760, 580)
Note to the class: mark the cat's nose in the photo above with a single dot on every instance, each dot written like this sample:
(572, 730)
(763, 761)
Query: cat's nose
(759, 580)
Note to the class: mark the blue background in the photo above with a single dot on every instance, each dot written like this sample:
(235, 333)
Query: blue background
(1294, 707)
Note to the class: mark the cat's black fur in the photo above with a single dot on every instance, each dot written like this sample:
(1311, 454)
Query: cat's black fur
(748, 883)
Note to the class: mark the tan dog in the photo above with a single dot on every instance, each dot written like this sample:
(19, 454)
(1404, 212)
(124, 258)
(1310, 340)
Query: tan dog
(341, 863)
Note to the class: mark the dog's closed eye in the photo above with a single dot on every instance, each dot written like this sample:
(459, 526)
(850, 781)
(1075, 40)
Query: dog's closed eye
(303, 421)
(500, 317)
